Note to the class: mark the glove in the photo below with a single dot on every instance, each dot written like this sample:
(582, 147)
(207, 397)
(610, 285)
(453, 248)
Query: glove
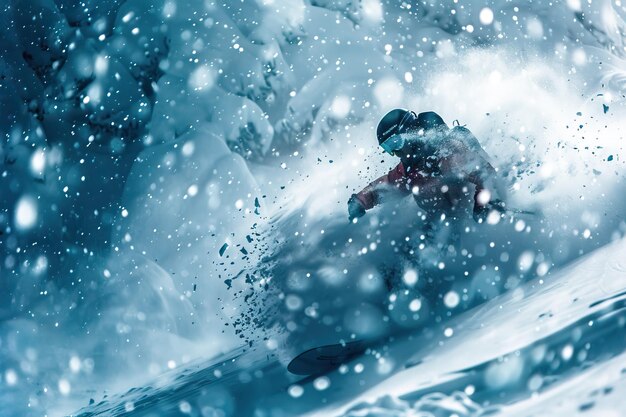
(355, 208)
(481, 212)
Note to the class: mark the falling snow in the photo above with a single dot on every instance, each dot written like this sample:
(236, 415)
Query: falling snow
(174, 226)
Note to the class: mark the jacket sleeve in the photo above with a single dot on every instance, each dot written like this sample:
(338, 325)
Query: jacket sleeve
(474, 161)
(483, 177)
(370, 195)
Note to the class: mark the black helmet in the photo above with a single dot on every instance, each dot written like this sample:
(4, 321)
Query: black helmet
(400, 121)
(394, 122)
(429, 120)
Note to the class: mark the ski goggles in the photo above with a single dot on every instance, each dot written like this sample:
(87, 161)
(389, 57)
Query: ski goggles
(394, 143)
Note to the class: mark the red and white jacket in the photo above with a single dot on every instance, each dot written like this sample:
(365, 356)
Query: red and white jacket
(445, 181)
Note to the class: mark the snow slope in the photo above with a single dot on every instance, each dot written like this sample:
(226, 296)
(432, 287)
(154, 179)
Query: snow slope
(142, 137)
(542, 349)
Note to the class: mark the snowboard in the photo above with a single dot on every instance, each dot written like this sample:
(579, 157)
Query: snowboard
(324, 359)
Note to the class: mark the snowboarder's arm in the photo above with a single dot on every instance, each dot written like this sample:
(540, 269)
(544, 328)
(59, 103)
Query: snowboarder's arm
(483, 176)
(475, 169)
(370, 195)
(475, 162)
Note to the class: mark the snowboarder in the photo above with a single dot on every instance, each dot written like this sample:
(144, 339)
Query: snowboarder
(446, 170)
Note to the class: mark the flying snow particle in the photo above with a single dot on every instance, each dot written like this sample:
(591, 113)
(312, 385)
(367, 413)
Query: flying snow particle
(340, 106)
(469, 28)
(543, 269)
(448, 332)
(94, 94)
(293, 302)
(25, 213)
(171, 364)
(451, 299)
(184, 407)
(75, 364)
(102, 65)
(321, 383)
(38, 162)
(124, 213)
(483, 197)
(10, 376)
(64, 386)
(202, 78)
(239, 204)
(295, 391)
(493, 217)
(486, 16)
(526, 260)
(410, 277)
(567, 352)
(415, 305)
(188, 148)
(408, 77)
(41, 264)
(192, 190)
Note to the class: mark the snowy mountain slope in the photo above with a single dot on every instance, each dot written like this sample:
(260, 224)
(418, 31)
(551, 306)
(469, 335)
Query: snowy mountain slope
(532, 340)
(559, 339)
(138, 134)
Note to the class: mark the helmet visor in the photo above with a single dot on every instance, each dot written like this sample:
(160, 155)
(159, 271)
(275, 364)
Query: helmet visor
(394, 143)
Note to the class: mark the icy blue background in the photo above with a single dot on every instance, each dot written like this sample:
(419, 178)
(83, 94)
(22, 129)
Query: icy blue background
(137, 135)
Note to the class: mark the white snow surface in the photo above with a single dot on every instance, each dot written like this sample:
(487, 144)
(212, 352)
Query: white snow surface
(499, 330)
